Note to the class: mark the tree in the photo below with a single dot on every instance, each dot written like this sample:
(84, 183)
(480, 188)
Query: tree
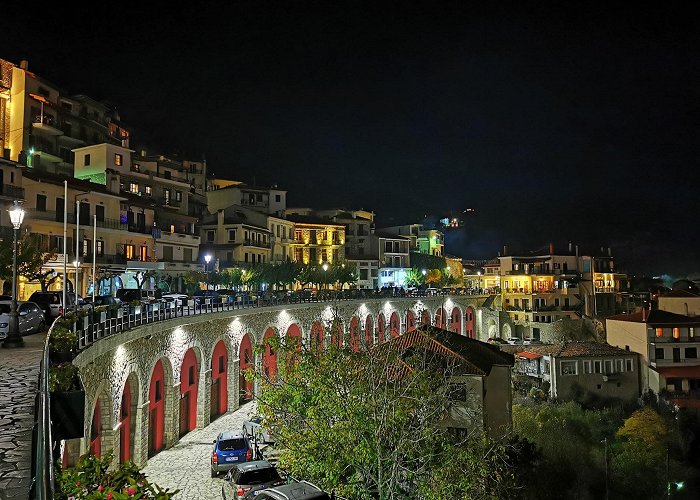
(141, 276)
(368, 425)
(31, 260)
(414, 277)
(343, 274)
(647, 426)
(192, 280)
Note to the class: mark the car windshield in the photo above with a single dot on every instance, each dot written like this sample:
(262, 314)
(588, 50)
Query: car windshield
(258, 476)
(231, 444)
(4, 308)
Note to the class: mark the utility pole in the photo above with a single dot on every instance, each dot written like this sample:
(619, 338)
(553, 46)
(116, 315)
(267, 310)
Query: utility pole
(607, 466)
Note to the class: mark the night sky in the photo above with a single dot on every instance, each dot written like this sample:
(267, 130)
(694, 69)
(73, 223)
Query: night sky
(555, 124)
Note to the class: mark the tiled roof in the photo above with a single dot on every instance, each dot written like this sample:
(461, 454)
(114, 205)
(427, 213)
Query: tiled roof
(390, 236)
(576, 349)
(681, 293)
(657, 317)
(472, 356)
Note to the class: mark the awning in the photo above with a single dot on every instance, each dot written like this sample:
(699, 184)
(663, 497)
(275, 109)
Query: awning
(528, 355)
(679, 371)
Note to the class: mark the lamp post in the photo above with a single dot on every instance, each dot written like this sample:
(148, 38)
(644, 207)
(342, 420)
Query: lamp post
(207, 260)
(325, 277)
(14, 339)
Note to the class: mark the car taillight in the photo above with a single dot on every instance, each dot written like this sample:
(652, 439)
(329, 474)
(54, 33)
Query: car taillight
(60, 311)
(240, 492)
(249, 454)
(214, 458)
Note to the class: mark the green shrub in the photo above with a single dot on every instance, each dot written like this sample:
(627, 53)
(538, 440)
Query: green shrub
(90, 479)
(62, 339)
(63, 377)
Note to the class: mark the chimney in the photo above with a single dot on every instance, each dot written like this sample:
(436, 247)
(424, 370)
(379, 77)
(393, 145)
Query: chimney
(505, 250)
(24, 64)
(551, 248)
(609, 252)
(570, 247)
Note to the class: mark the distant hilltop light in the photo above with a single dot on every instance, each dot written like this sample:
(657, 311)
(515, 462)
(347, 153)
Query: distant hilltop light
(469, 210)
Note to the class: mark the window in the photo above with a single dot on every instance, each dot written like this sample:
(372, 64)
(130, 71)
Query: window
(178, 195)
(149, 190)
(117, 159)
(691, 352)
(619, 366)
(100, 248)
(86, 160)
(187, 255)
(211, 235)
(41, 203)
(100, 212)
(245, 257)
(133, 187)
(676, 333)
(586, 367)
(457, 392)
(232, 235)
(659, 332)
(659, 353)
(86, 248)
(597, 367)
(167, 253)
(136, 167)
(628, 365)
(691, 333)
(143, 254)
(569, 368)
(609, 366)
(166, 196)
(298, 235)
(130, 251)
(278, 198)
(545, 369)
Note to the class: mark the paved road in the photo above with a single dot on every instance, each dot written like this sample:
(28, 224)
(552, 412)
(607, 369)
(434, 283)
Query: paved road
(185, 466)
(19, 379)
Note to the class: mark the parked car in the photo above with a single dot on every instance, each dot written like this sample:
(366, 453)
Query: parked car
(30, 316)
(248, 480)
(297, 490)
(202, 297)
(102, 300)
(129, 294)
(180, 299)
(253, 428)
(514, 340)
(52, 303)
(230, 448)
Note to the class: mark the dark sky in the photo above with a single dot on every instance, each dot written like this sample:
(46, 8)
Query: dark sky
(564, 123)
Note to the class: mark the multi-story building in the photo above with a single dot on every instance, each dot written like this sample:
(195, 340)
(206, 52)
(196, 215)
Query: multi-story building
(680, 302)
(393, 254)
(40, 125)
(317, 240)
(425, 241)
(222, 194)
(668, 346)
(586, 372)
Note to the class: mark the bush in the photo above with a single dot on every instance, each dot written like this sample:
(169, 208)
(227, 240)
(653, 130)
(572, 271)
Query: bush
(62, 339)
(90, 479)
(63, 377)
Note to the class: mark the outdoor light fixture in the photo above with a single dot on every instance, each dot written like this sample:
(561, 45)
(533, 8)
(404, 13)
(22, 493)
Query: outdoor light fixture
(14, 339)
(207, 260)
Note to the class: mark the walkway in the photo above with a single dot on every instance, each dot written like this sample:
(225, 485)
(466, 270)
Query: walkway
(19, 378)
(186, 466)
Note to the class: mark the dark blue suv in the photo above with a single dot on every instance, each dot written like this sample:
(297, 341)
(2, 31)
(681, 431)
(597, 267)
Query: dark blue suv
(230, 448)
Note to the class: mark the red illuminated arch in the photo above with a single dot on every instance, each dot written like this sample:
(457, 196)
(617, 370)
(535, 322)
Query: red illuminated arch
(394, 325)
(270, 356)
(425, 317)
(355, 334)
(156, 410)
(219, 381)
(469, 322)
(96, 430)
(381, 327)
(127, 418)
(189, 381)
(456, 321)
(369, 331)
(316, 339)
(410, 321)
(441, 319)
(245, 362)
(337, 332)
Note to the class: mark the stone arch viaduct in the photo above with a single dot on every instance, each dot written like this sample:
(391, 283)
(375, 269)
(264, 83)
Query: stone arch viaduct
(147, 387)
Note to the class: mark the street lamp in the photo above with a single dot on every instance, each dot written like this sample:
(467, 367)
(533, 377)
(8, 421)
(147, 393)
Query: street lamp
(14, 339)
(325, 268)
(207, 260)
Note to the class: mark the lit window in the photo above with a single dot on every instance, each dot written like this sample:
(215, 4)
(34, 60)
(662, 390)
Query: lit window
(172, 228)
(133, 187)
(117, 159)
(659, 332)
(676, 333)
(149, 190)
(143, 256)
(130, 251)
(691, 332)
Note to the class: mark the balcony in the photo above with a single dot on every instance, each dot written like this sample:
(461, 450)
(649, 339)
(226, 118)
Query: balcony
(666, 363)
(258, 244)
(46, 124)
(9, 191)
(179, 238)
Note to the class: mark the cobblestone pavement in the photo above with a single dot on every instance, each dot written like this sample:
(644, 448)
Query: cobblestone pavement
(186, 466)
(19, 378)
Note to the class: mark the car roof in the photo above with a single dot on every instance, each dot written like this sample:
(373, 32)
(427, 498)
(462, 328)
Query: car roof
(299, 490)
(231, 435)
(255, 464)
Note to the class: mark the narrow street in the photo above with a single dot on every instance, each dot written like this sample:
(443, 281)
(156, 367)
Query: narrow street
(186, 466)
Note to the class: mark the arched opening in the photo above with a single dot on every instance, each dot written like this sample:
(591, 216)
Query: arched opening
(410, 321)
(316, 339)
(270, 355)
(469, 322)
(456, 321)
(394, 325)
(245, 362)
(96, 428)
(156, 410)
(293, 346)
(381, 327)
(507, 332)
(492, 328)
(189, 380)
(219, 381)
(441, 319)
(425, 317)
(337, 332)
(369, 331)
(355, 334)
(127, 418)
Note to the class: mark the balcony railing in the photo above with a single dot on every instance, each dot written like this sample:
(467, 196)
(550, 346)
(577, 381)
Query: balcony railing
(10, 191)
(255, 243)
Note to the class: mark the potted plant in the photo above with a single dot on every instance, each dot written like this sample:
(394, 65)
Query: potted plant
(101, 313)
(67, 398)
(135, 307)
(62, 343)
